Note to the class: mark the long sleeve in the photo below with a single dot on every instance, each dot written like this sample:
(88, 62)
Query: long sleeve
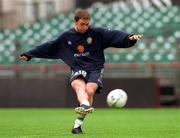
(49, 50)
(116, 38)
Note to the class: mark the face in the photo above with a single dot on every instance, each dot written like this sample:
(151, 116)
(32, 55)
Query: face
(82, 25)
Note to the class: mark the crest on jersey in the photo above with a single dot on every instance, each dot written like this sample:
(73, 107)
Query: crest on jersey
(69, 43)
(80, 48)
(89, 40)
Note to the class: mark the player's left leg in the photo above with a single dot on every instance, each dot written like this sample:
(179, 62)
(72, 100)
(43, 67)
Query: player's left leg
(90, 89)
(77, 124)
(94, 84)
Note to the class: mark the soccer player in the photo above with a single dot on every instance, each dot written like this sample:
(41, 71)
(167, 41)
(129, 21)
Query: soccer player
(82, 49)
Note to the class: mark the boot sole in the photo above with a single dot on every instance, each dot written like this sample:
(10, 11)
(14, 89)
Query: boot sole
(81, 110)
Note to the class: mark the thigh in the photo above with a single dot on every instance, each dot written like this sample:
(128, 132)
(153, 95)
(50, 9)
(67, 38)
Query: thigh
(78, 84)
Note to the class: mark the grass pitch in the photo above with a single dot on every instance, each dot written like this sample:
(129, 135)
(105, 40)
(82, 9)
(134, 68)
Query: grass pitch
(103, 123)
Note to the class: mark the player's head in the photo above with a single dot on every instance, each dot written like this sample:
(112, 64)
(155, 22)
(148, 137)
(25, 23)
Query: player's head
(81, 19)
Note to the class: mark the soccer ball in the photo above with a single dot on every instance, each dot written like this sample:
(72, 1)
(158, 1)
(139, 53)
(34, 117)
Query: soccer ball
(117, 98)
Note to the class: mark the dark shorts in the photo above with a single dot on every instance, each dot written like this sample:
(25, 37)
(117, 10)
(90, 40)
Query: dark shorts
(89, 76)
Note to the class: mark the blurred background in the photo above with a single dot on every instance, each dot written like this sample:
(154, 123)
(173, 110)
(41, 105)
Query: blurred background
(148, 72)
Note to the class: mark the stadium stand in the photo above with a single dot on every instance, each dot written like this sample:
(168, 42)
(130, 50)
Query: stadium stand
(160, 28)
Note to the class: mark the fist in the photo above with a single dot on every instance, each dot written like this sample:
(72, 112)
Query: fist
(23, 58)
(135, 37)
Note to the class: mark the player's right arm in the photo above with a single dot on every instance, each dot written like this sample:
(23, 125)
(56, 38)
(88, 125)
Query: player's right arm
(49, 50)
(24, 57)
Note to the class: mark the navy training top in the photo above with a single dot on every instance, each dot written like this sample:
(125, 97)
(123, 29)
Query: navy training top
(84, 51)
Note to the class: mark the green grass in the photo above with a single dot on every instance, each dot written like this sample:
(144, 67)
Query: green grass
(103, 123)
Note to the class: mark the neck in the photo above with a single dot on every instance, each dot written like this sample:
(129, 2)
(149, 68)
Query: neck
(75, 27)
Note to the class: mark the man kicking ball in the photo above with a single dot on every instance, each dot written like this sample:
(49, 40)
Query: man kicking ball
(82, 49)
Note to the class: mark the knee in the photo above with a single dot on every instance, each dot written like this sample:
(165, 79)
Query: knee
(90, 91)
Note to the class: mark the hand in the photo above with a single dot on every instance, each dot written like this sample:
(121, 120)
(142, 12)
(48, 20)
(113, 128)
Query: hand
(135, 37)
(23, 58)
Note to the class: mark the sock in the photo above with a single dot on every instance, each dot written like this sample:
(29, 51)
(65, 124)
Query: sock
(86, 102)
(78, 122)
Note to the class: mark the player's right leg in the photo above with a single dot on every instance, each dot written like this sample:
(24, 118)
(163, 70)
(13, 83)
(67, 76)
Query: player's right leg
(79, 87)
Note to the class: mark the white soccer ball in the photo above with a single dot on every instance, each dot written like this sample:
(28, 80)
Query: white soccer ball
(117, 98)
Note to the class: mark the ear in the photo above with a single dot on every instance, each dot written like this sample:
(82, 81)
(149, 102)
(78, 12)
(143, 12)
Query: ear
(75, 22)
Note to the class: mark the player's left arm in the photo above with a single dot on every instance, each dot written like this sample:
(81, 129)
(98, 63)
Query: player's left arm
(135, 37)
(132, 39)
(119, 39)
